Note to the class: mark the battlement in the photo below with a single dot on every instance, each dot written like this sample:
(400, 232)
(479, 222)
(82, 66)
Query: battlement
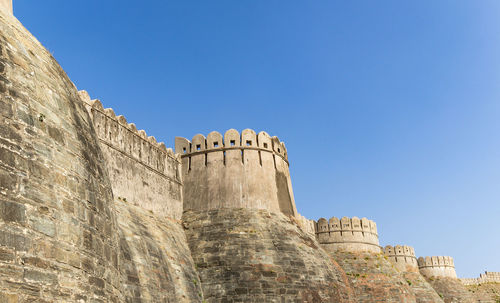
(351, 234)
(437, 266)
(248, 170)
(232, 141)
(142, 170)
(402, 256)
(487, 277)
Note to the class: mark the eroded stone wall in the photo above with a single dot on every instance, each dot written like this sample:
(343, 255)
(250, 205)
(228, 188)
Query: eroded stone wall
(58, 233)
(245, 255)
(403, 258)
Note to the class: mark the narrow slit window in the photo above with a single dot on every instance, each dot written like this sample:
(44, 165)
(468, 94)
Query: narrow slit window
(184, 150)
(233, 142)
(279, 150)
(249, 143)
(198, 146)
(216, 144)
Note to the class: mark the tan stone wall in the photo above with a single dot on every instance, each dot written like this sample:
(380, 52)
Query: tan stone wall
(6, 7)
(247, 171)
(348, 234)
(142, 171)
(437, 266)
(403, 257)
(487, 277)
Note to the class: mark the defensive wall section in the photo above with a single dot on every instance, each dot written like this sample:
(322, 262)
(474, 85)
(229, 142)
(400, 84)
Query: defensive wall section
(233, 171)
(487, 277)
(437, 266)
(6, 6)
(142, 171)
(348, 234)
(403, 257)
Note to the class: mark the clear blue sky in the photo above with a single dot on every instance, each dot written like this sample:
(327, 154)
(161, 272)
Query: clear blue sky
(389, 109)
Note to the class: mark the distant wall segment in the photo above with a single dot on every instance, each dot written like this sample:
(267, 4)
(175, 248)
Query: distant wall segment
(142, 171)
(437, 266)
(349, 234)
(487, 277)
(236, 171)
(403, 257)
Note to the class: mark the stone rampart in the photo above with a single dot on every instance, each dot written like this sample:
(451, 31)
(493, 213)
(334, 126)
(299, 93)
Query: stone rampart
(247, 171)
(6, 7)
(403, 257)
(437, 266)
(142, 171)
(487, 277)
(350, 234)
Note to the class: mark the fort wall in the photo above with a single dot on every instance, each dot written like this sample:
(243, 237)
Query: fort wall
(487, 277)
(236, 171)
(437, 266)
(403, 257)
(6, 7)
(349, 234)
(142, 171)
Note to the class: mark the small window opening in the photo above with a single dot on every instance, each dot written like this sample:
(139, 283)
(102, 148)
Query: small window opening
(265, 145)
(216, 144)
(184, 150)
(249, 142)
(279, 150)
(233, 142)
(198, 146)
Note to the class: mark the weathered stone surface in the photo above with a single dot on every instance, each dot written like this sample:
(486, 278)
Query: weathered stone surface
(451, 290)
(485, 292)
(49, 153)
(373, 277)
(245, 255)
(155, 259)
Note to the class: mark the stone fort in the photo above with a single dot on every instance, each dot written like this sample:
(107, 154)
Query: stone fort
(94, 210)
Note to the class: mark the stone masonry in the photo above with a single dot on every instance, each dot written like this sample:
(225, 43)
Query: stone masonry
(94, 210)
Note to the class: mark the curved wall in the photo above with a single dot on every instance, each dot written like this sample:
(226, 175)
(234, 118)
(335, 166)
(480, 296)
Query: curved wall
(402, 256)
(247, 171)
(58, 232)
(437, 266)
(349, 234)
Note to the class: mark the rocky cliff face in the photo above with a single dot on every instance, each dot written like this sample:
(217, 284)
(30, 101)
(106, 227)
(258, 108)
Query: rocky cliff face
(485, 292)
(247, 255)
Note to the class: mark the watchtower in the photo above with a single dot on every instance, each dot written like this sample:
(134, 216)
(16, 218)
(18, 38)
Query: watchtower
(348, 234)
(403, 257)
(437, 266)
(236, 171)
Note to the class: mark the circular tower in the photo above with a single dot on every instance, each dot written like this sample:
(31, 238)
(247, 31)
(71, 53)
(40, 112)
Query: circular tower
(348, 234)
(440, 266)
(403, 257)
(236, 171)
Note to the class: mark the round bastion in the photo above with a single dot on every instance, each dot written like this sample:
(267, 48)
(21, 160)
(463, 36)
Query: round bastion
(348, 234)
(403, 257)
(437, 266)
(236, 171)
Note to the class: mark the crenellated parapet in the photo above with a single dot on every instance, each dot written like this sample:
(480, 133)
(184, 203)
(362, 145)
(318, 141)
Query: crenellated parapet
(437, 266)
(142, 170)
(403, 257)
(350, 234)
(248, 170)
(487, 277)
